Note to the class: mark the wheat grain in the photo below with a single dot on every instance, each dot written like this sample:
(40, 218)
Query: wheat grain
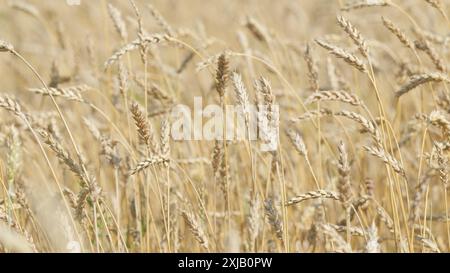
(372, 245)
(342, 54)
(70, 93)
(355, 35)
(339, 95)
(340, 244)
(297, 141)
(397, 32)
(196, 229)
(151, 161)
(313, 195)
(364, 4)
(417, 80)
(368, 126)
(388, 159)
(160, 20)
(313, 74)
(241, 93)
(426, 47)
(274, 219)
(118, 21)
(344, 186)
(136, 44)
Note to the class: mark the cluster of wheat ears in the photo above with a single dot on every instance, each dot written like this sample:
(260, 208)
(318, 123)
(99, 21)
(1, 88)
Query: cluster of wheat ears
(88, 164)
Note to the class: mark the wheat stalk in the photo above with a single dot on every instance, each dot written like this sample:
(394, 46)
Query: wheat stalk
(364, 4)
(6, 47)
(355, 35)
(342, 54)
(313, 195)
(368, 126)
(151, 161)
(417, 80)
(274, 219)
(118, 21)
(339, 95)
(70, 93)
(313, 74)
(136, 44)
(196, 229)
(388, 159)
(397, 32)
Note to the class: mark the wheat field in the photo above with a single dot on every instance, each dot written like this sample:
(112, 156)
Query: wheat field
(358, 92)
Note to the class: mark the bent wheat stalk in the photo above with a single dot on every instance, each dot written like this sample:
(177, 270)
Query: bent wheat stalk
(313, 195)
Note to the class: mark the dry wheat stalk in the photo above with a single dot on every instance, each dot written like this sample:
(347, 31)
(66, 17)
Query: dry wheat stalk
(372, 246)
(426, 47)
(355, 35)
(136, 44)
(274, 219)
(160, 20)
(13, 106)
(108, 145)
(154, 91)
(340, 95)
(297, 140)
(123, 79)
(151, 161)
(65, 158)
(207, 62)
(145, 130)
(386, 219)
(437, 4)
(360, 203)
(432, 37)
(70, 93)
(25, 7)
(354, 231)
(344, 186)
(342, 54)
(419, 192)
(429, 244)
(313, 195)
(264, 88)
(217, 156)
(335, 79)
(397, 32)
(119, 23)
(142, 46)
(339, 243)
(6, 47)
(439, 119)
(442, 161)
(258, 30)
(165, 138)
(388, 159)
(368, 126)
(313, 74)
(438, 218)
(421, 79)
(241, 93)
(254, 221)
(313, 114)
(364, 4)
(196, 229)
(222, 75)
(89, 184)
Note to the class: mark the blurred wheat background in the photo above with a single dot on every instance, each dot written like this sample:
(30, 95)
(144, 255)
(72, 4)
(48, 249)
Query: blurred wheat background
(87, 162)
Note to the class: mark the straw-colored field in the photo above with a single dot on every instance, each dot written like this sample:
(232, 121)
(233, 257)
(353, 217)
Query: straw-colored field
(92, 160)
